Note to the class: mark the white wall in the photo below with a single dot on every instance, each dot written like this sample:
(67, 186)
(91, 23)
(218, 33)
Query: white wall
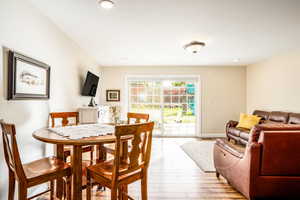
(274, 84)
(24, 29)
(223, 94)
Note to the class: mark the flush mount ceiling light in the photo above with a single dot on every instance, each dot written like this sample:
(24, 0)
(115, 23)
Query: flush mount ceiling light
(194, 46)
(106, 4)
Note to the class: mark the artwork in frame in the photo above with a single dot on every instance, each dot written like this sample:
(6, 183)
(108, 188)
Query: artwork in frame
(27, 78)
(112, 95)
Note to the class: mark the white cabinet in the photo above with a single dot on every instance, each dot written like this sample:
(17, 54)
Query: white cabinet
(88, 115)
(92, 115)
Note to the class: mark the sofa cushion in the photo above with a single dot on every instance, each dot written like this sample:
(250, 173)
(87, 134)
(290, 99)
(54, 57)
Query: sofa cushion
(244, 135)
(264, 115)
(234, 131)
(278, 117)
(294, 118)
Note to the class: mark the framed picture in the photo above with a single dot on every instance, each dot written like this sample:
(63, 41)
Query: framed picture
(27, 78)
(112, 95)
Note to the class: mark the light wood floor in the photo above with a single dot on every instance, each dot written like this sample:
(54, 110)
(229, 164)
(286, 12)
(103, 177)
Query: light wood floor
(174, 176)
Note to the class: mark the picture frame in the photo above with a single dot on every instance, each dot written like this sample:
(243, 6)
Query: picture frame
(112, 95)
(27, 78)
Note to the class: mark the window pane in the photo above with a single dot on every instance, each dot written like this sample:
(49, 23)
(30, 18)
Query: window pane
(167, 99)
(149, 91)
(175, 91)
(157, 91)
(134, 91)
(190, 88)
(133, 99)
(167, 91)
(175, 99)
(156, 99)
(191, 99)
(149, 99)
(182, 99)
(182, 91)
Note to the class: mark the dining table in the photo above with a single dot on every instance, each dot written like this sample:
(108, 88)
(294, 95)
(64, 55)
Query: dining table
(46, 135)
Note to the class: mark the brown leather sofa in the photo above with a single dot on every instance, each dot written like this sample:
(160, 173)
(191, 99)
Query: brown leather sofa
(241, 135)
(269, 167)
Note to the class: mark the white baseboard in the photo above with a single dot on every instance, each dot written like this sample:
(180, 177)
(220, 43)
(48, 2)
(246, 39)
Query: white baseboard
(212, 135)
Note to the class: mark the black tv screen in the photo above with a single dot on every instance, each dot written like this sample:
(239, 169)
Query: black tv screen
(90, 85)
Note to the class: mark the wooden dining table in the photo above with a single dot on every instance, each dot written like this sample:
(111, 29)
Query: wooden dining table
(48, 136)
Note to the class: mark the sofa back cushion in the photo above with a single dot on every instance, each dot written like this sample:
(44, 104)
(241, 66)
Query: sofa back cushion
(294, 118)
(278, 117)
(281, 152)
(264, 115)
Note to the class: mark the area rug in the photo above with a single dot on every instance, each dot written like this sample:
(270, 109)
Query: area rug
(201, 152)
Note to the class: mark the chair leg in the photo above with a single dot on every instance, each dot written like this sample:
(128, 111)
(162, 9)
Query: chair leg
(144, 186)
(89, 186)
(52, 190)
(22, 191)
(120, 193)
(124, 192)
(11, 186)
(114, 193)
(68, 187)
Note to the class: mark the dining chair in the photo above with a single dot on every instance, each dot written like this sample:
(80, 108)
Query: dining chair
(137, 117)
(65, 121)
(131, 118)
(117, 173)
(33, 173)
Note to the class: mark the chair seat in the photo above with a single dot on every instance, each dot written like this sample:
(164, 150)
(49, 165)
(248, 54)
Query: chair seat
(105, 169)
(44, 169)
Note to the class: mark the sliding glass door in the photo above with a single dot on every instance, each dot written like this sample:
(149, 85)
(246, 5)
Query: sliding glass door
(171, 103)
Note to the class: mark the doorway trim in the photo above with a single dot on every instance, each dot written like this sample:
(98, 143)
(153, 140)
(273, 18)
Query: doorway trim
(198, 93)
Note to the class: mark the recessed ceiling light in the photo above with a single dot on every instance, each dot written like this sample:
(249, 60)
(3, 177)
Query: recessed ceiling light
(194, 46)
(106, 4)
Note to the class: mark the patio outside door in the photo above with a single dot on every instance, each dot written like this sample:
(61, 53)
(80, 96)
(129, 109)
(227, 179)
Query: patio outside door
(171, 103)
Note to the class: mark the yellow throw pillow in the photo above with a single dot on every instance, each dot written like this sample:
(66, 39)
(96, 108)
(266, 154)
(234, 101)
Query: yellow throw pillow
(247, 121)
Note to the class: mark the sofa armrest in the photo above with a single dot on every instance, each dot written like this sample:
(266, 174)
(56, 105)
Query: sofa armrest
(230, 124)
(240, 171)
(229, 148)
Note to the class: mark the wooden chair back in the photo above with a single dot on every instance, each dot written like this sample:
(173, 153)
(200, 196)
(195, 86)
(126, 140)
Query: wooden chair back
(11, 152)
(140, 150)
(137, 117)
(65, 116)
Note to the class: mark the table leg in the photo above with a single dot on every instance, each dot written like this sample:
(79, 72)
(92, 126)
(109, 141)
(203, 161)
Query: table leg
(77, 172)
(59, 182)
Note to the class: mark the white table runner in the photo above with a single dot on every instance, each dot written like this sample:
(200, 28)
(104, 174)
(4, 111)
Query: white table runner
(82, 131)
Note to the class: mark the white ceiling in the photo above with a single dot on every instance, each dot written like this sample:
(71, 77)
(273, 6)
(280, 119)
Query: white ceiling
(152, 32)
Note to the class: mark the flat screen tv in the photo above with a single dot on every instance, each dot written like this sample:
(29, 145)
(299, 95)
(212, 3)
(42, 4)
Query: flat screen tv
(90, 86)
